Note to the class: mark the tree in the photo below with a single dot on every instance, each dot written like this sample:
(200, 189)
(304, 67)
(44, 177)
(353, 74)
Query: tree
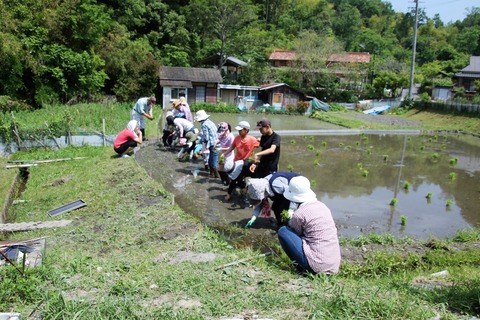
(347, 24)
(220, 20)
(310, 69)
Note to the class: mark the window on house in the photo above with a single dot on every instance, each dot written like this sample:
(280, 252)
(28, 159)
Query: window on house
(199, 94)
(178, 92)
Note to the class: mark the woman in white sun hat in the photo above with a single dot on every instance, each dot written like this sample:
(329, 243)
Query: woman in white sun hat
(311, 239)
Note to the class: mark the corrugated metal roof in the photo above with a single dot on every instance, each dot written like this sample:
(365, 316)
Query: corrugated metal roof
(237, 61)
(359, 57)
(272, 85)
(176, 83)
(190, 74)
(468, 75)
(351, 57)
(283, 55)
(474, 65)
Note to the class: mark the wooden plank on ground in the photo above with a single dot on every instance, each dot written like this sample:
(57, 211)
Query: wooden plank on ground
(27, 226)
(21, 166)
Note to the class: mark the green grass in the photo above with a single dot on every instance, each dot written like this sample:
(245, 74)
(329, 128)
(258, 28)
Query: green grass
(6, 179)
(120, 259)
(120, 254)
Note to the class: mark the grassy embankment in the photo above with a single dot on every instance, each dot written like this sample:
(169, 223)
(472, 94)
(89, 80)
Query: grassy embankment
(430, 121)
(132, 254)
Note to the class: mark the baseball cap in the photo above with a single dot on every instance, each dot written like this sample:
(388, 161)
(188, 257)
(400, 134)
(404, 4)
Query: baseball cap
(263, 123)
(243, 125)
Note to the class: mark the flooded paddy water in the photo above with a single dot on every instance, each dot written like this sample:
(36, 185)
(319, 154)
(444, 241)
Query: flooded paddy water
(435, 179)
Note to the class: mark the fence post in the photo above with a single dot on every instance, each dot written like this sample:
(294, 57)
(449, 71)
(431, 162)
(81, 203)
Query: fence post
(103, 132)
(15, 131)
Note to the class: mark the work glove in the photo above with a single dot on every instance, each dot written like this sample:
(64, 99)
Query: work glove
(251, 222)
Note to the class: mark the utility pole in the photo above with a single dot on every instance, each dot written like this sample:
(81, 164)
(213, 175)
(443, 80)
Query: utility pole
(412, 70)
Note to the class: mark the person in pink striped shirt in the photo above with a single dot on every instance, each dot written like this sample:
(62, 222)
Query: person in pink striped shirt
(311, 239)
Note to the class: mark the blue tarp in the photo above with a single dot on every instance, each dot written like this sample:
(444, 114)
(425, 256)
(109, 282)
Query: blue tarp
(377, 110)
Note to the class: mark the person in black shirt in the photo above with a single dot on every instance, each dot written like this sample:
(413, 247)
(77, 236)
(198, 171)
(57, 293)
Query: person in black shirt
(266, 161)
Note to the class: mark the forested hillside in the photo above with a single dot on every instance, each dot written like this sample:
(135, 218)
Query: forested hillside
(76, 50)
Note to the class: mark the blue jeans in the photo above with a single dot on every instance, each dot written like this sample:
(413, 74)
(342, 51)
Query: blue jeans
(293, 247)
(213, 158)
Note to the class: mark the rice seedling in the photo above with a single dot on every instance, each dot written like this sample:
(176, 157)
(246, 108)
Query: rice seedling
(293, 141)
(448, 203)
(365, 173)
(316, 163)
(312, 138)
(403, 220)
(422, 148)
(360, 165)
(290, 168)
(452, 176)
(310, 147)
(435, 137)
(444, 146)
(318, 153)
(324, 144)
(429, 195)
(313, 183)
(430, 140)
(435, 156)
(406, 185)
(341, 144)
(385, 157)
(369, 152)
(349, 147)
(304, 137)
(357, 143)
(453, 161)
(285, 216)
(393, 202)
(364, 137)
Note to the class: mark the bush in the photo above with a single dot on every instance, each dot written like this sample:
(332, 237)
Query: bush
(214, 107)
(337, 107)
(7, 104)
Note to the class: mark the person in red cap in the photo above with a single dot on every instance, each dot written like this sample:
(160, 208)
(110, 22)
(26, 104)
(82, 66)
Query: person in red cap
(266, 161)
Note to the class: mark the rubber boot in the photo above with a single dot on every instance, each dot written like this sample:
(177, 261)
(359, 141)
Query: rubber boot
(215, 173)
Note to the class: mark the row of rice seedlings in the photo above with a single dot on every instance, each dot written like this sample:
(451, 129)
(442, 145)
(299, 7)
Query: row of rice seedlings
(429, 195)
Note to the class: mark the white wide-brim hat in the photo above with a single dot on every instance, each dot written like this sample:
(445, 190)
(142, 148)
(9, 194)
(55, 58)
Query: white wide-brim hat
(258, 189)
(201, 115)
(299, 191)
(233, 169)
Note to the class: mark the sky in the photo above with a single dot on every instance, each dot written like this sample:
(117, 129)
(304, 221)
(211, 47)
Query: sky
(449, 10)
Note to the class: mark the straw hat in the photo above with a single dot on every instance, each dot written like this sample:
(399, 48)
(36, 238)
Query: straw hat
(176, 103)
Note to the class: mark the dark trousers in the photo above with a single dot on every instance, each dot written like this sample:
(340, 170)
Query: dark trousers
(124, 146)
(167, 139)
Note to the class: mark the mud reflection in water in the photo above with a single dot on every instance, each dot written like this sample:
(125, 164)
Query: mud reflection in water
(357, 176)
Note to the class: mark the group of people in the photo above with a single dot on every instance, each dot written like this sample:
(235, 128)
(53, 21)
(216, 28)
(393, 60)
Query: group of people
(305, 227)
